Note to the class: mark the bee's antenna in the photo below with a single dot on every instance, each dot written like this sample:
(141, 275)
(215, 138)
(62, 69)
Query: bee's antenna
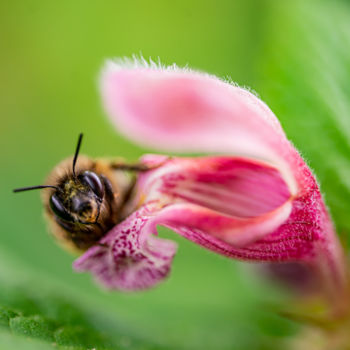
(33, 188)
(77, 152)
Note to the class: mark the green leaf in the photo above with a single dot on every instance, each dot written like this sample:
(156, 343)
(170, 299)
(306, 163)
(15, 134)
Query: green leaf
(5, 316)
(32, 327)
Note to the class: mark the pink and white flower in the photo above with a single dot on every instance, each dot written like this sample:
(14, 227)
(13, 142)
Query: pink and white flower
(254, 199)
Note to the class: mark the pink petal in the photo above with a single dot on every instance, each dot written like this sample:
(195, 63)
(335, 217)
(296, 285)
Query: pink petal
(133, 259)
(264, 205)
(128, 258)
(182, 110)
(235, 199)
(234, 186)
(284, 230)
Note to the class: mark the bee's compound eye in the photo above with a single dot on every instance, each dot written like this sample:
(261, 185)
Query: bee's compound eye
(92, 180)
(59, 209)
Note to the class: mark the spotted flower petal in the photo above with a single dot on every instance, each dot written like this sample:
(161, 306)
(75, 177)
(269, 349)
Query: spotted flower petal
(258, 201)
(129, 257)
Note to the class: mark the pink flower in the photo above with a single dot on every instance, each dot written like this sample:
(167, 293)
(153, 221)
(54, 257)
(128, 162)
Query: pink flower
(256, 201)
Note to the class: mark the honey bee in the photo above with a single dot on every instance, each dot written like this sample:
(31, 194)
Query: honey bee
(84, 199)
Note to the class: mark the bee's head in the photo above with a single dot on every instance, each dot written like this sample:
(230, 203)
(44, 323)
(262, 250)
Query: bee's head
(77, 197)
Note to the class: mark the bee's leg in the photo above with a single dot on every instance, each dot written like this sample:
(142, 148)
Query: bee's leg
(129, 191)
(110, 201)
(130, 167)
(137, 167)
(108, 188)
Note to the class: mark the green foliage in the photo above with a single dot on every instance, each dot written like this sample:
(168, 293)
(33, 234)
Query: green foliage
(53, 315)
(58, 322)
(5, 316)
(32, 327)
(293, 53)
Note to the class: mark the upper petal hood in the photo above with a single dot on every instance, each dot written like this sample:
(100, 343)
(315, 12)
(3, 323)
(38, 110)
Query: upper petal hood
(186, 111)
(181, 110)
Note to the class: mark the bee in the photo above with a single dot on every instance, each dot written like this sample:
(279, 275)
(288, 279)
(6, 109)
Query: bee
(84, 199)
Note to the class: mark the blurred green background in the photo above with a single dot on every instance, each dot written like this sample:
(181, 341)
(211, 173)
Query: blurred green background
(295, 54)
